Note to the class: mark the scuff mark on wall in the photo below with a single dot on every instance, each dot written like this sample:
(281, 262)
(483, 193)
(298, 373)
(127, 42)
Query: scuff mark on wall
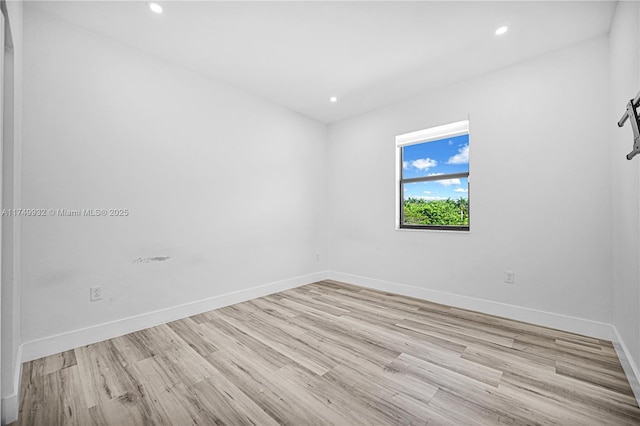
(151, 259)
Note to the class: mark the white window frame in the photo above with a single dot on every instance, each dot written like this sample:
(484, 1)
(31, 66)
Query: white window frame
(421, 136)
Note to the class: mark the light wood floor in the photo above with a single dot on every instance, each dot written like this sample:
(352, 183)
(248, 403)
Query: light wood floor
(330, 353)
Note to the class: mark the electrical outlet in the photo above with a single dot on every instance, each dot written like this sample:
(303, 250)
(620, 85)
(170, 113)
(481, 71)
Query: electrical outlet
(95, 293)
(509, 277)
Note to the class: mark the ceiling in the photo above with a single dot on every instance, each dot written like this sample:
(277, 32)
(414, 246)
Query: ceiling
(368, 54)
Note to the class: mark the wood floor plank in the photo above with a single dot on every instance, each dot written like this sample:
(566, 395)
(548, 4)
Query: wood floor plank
(397, 338)
(331, 353)
(388, 404)
(125, 411)
(132, 347)
(506, 360)
(455, 334)
(230, 337)
(221, 402)
(586, 395)
(193, 335)
(287, 345)
(103, 375)
(315, 302)
(609, 380)
(70, 407)
(551, 409)
(343, 339)
(59, 361)
(461, 412)
(467, 328)
(178, 359)
(347, 407)
(285, 404)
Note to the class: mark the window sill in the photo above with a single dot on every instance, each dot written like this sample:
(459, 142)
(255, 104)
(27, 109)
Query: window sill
(439, 231)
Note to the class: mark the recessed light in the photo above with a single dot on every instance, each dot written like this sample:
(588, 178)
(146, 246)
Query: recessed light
(155, 7)
(333, 99)
(503, 29)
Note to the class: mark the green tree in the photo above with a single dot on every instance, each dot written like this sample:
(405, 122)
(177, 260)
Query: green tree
(449, 212)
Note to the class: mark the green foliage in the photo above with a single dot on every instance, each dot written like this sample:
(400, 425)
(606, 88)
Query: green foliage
(436, 212)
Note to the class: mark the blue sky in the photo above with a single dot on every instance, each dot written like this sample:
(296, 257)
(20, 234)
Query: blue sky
(443, 156)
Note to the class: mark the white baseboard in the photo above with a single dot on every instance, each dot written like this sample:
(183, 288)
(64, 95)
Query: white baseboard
(9, 409)
(10, 402)
(628, 364)
(547, 319)
(62, 342)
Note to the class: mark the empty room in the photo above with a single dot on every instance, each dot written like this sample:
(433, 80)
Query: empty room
(320, 212)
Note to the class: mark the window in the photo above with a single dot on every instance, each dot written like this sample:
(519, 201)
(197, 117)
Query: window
(433, 178)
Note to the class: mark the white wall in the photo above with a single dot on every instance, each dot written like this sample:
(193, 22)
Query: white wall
(540, 183)
(230, 187)
(625, 83)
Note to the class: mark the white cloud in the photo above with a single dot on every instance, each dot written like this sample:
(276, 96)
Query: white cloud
(405, 165)
(424, 163)
(449, 182)
(445, 182)
(462, 157)
(428, 197)
(460, 190)
(427, 192)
